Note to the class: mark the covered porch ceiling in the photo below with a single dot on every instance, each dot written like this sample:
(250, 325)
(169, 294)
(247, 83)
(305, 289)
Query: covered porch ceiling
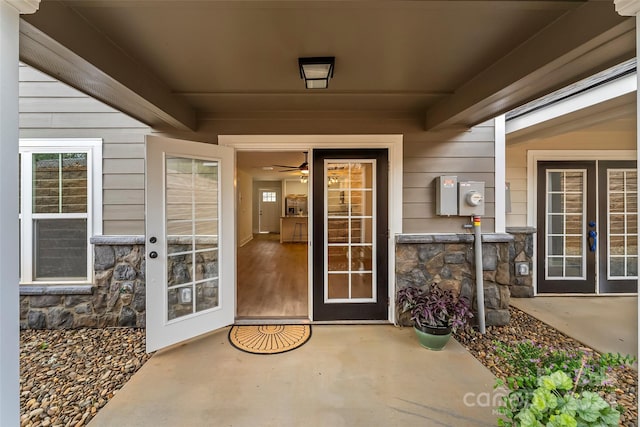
(178, 65)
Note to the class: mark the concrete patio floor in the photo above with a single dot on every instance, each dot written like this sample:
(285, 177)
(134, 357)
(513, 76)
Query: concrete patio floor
(346, 375)
(606, 324)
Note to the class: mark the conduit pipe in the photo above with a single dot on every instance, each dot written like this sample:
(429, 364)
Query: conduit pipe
(479, 279)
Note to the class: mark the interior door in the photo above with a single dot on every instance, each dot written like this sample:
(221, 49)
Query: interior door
(269, 214)
(567, 222)
(190, 242)
(618, 228)
(350, 240)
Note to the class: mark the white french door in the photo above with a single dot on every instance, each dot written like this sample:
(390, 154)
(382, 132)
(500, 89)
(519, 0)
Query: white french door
(190, 241)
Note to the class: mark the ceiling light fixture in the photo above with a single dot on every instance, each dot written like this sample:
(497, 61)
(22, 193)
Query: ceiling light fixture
(316, 71)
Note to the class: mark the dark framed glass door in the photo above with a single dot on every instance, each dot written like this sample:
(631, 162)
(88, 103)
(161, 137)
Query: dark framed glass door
(350, 226)
(566, 221)
(618, 213)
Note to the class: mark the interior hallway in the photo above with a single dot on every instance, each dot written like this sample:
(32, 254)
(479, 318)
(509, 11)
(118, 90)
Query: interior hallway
(272, 278)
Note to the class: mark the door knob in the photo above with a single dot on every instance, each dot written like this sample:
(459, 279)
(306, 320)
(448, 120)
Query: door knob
(593, 240)
(153, 254)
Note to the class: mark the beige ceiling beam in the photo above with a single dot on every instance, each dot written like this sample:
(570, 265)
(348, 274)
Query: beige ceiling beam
(58, 41)
(580, 43)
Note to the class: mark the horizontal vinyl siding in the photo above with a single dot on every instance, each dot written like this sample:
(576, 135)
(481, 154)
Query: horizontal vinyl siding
(516, 159)
(50, 109)
(469, 155)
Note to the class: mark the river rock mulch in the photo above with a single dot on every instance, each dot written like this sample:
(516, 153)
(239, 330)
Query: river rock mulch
(66, 376)
(524, 327)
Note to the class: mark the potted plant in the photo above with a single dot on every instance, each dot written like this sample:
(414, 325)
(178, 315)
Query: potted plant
(435, 313)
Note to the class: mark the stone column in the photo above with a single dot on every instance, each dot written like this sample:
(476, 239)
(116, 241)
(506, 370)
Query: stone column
(10, 11)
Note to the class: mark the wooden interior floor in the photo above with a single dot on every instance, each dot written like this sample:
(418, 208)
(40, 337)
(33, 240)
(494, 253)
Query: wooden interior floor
(272, 278)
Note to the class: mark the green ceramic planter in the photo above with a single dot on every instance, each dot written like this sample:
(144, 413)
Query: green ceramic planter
(434, 339)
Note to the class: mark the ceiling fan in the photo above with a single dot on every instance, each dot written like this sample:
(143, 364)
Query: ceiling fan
(303, 168)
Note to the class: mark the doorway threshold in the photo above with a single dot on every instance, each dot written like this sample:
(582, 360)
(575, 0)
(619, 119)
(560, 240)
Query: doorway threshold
(303, 321)
(272, 321)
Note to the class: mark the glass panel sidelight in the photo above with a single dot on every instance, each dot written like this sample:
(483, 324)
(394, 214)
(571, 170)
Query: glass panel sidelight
(192, 207)
(622, 227)
(566, 192)
(350, 220)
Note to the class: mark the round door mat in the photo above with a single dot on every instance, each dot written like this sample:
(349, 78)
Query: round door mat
(269, 339)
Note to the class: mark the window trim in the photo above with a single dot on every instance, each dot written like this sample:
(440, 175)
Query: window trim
(93, 148)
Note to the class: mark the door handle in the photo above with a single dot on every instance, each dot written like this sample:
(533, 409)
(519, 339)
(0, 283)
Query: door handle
(593, 240)
(153, 254)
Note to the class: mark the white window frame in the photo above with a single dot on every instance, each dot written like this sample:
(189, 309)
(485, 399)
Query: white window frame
(93, 148)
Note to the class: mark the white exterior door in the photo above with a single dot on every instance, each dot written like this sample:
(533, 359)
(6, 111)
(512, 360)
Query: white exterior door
(190, 240)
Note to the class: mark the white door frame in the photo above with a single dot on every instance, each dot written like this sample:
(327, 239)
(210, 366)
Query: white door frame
(393, 142)
(533, 157)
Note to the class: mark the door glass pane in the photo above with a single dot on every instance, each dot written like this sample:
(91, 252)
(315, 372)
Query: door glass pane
(361, 284)
(573, 267)
(565, 223)
(555, 267)
(554, 181)
(192, 230)
(337, 231)
(556, 224)
(206, 295)
(616, 267)
(338, 258)
(556, 245)
(60, 248)
(350, 219)
(622, 247)
(573, 245)
(338, 286)
(632, 266)
(361, 258)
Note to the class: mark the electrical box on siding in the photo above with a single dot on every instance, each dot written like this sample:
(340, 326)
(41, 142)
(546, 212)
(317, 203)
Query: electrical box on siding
(470, 198)
(447, 195)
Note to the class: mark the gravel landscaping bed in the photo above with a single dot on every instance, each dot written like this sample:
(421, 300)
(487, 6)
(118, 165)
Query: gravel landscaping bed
(66, 376)
(524, 327)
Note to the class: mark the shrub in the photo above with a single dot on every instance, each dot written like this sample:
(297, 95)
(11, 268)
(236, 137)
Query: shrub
(557, 387)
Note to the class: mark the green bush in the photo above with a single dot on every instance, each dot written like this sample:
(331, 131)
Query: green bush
(556, 388)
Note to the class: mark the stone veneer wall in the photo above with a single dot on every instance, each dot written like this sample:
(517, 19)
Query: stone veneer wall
(449, 261)
(116, 298)
(523, 250)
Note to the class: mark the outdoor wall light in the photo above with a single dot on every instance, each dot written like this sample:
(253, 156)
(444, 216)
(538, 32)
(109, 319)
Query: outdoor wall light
(316, 71)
